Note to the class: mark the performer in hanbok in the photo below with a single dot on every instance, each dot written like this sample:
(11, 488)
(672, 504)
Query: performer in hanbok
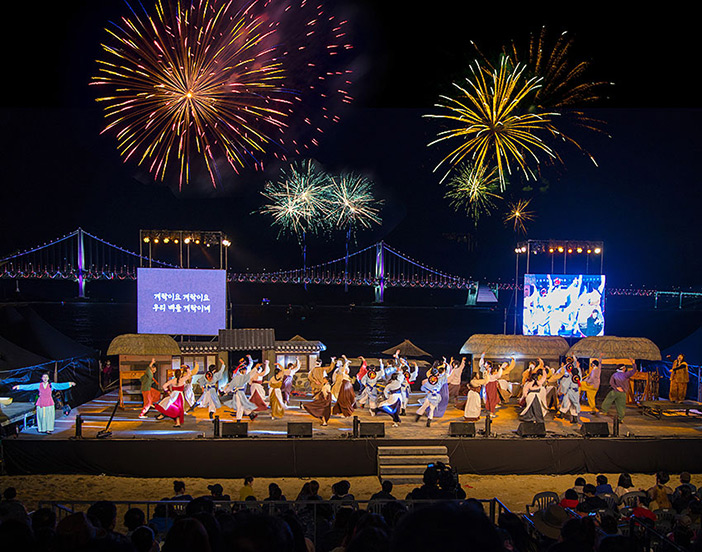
(210, 394)
(275, 386)
(361, 372)
(173, 406)
(317, 375)
(188, 393)
(210, 388)
(493, 375)
(445, 371)
(343, 391)
(392, 404)
(369, 395)
(288, 373)
(45, 406)
(534, 395)
(454, 379)
(258, 393)
(409, 376)
(150, 391)
(568, 377)
(237, 385)
(432, 389)
(471, 413)
(321, 406)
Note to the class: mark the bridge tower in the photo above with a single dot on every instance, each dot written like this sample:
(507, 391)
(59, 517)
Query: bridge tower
(379, 272)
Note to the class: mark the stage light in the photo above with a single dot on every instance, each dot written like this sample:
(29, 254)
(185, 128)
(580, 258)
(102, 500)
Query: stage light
(207, 244)
(579, 249)
(146, 239)
(570, 250)
(516, 250)
(155, 240)
(186, 240)
(197, 242)
(523, 248)
(166, 240)
(560, 249)
(175, 240)
(597, 251)
(550, 249)
(226, 243)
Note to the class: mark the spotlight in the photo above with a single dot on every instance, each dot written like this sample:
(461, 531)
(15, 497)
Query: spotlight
(197, 242)
(579, 249)
(560, 249)
(597, 251)
(589, 251)
(146, 239)
(155, 240)
(570, 250)
(517, 250)
(550, 249)
(523, 248)
(175, 240)
(166, 240)
(186, 241)
(226, 243)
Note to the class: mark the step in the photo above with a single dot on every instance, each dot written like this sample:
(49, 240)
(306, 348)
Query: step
(412, 451)
(415, 460)
(402, 470)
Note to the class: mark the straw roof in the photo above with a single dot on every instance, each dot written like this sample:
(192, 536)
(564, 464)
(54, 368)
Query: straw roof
(407, 350)
(143, 345)
(638, 348)
(501, 346)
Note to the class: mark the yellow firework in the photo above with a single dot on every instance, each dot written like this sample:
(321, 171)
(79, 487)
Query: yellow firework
(473, 190)
(488, 119)
(518, 215)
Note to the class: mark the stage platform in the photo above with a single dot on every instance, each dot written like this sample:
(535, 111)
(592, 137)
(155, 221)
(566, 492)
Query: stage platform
(152, 448)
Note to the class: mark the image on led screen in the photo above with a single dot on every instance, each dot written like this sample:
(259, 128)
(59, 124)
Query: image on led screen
(181, 301)
(569, 305)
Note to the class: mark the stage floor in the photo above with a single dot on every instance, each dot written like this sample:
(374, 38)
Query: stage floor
(127, 425)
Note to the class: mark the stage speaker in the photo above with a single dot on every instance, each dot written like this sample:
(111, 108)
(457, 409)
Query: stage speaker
(462, 429)
(234, 429)
(531, 429)
(595, 429)
(368, 429)
(299, 429)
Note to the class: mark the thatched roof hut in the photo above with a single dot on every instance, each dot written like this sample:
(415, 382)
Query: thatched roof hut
(610, 347)
(407, 350)
(504, 346)
(143, 345)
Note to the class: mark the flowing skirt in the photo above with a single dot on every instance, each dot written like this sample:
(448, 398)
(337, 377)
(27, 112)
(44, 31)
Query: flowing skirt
(443, 401)
(175, 408)
(472, 410)
(320, 407)
(346, 401)
(277, 404)
(257, 397)
(492, 396)
(46, 416)
(392, 406)
(535, 407)
(286, 389)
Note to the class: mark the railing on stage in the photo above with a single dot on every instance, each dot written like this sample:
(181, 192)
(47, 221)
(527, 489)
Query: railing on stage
(309, 511)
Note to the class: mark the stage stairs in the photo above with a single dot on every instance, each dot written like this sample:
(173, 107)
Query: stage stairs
(405, 465)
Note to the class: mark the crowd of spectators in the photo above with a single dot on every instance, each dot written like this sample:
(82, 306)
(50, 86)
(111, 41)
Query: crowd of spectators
(582, 520)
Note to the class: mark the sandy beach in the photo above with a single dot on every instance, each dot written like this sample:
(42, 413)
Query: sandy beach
(515, 491)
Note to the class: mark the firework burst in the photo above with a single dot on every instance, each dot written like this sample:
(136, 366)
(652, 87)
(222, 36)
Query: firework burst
(351, 203)
(518, 215)
(474, 190)
(297, 202)
(203, 80)
(489, 122)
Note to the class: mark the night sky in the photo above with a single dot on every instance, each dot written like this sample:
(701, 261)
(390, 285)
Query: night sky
(59, 173)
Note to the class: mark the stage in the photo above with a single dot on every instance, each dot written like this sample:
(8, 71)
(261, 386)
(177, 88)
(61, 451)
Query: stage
(152, 448)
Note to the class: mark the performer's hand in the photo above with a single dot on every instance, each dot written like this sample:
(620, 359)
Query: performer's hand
(15, 387)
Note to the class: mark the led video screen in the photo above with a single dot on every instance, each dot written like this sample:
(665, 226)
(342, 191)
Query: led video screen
(569, 305)
(181, 301)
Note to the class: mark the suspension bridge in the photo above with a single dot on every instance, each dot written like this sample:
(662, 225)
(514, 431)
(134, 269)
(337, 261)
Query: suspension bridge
(82, 257)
